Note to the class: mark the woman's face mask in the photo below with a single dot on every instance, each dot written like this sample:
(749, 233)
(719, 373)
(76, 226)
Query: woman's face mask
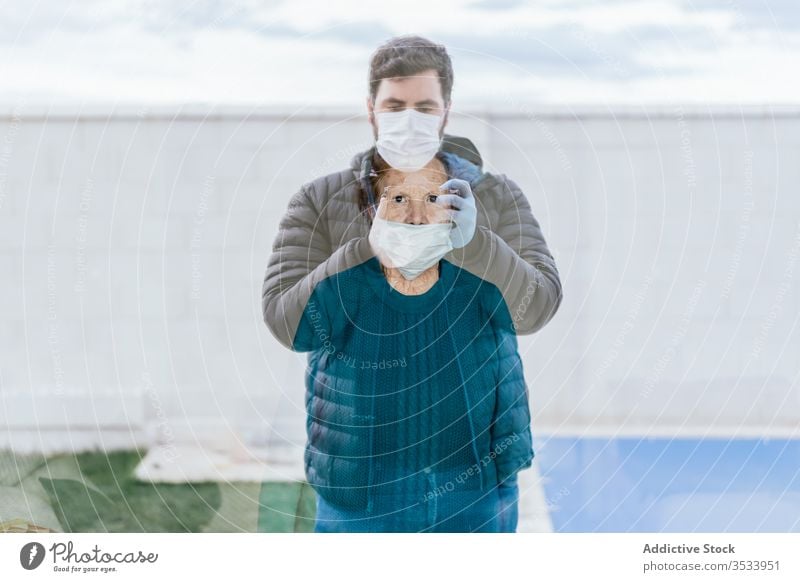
(410, 248)
(407, 139)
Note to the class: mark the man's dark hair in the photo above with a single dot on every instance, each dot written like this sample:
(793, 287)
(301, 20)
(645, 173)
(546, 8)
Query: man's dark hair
(408, 55)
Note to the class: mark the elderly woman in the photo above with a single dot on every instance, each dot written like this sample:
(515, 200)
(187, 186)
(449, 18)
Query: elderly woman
(418, 416)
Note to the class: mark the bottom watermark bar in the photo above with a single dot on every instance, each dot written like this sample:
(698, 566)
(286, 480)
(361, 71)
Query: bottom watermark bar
(402, 556)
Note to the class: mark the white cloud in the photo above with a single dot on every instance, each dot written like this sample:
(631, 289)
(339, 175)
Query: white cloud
(297, 52)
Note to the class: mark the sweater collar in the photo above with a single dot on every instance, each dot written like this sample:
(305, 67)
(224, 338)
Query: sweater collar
(426, 302)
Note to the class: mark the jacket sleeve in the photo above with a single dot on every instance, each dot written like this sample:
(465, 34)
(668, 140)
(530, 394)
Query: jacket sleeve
(302, 257)
(314, 329)
(511, 442)
(513, 255)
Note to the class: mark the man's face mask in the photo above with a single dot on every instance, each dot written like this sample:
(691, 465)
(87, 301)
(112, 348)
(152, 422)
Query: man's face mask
(407, 139)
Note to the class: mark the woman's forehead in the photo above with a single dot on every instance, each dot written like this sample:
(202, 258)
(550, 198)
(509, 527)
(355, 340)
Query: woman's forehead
(427, 178)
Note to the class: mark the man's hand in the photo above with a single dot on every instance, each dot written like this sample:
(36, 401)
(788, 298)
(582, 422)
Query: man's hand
(462, 210)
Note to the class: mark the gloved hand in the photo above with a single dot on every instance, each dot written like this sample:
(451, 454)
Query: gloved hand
(465, 214)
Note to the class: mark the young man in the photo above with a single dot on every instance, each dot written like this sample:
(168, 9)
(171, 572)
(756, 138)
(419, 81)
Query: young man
(326, 227)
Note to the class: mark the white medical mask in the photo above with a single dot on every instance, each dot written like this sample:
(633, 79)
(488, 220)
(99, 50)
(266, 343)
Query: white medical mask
(407, 139)
(411, 248)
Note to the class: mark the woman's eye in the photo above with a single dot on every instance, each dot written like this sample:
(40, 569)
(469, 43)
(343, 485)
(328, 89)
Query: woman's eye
(432, 197)
(398, 198)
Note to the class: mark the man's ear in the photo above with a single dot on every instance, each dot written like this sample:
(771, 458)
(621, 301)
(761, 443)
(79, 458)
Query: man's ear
(371, 118)
(370, 111)
(445, 116)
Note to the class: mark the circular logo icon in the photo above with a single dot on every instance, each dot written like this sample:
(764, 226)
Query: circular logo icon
(31, 555)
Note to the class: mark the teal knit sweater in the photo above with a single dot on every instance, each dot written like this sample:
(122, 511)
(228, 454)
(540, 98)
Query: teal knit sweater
(410, 395)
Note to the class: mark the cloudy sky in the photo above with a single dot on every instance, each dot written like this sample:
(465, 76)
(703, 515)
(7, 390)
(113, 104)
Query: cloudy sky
(245, 52)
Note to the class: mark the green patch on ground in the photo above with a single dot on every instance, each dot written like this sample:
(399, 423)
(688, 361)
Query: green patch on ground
(97, 492)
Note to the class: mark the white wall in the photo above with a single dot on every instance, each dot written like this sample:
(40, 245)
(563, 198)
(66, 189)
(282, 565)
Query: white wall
(133, 245)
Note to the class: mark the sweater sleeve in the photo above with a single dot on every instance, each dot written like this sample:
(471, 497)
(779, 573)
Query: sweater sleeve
(513, 255)
(511, 441)
(301, 258)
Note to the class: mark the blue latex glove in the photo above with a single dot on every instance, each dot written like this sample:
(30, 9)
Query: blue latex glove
(464, 213)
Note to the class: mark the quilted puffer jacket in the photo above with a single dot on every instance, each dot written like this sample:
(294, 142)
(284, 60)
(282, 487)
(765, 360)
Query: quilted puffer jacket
(326, 227)
(413, 393)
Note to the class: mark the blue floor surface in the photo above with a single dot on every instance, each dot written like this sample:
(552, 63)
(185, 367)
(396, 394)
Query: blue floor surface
(636, 484)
